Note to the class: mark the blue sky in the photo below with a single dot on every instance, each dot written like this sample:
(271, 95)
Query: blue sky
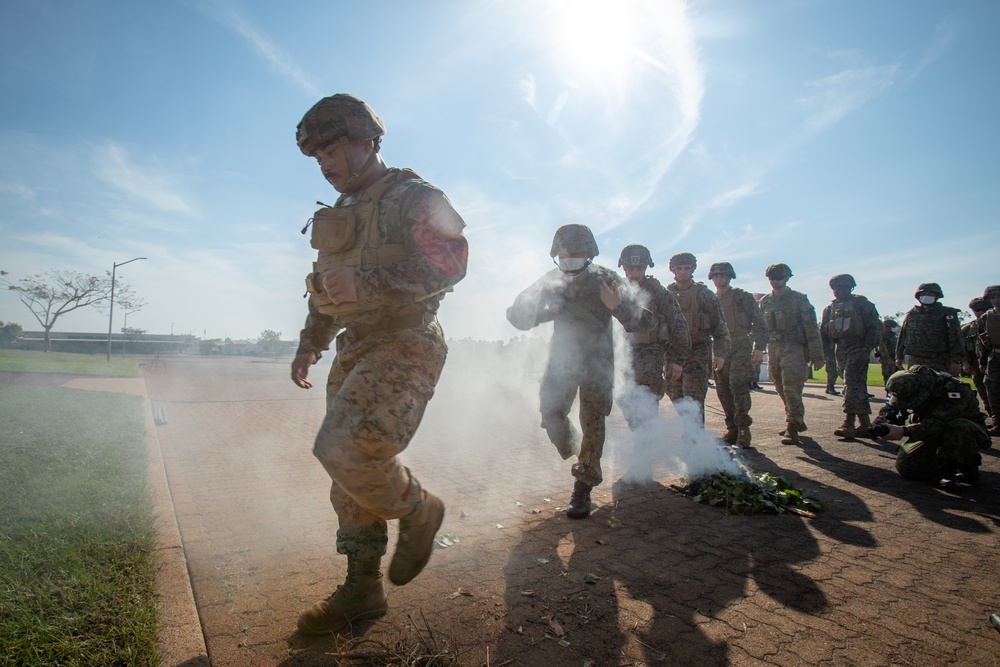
(835, 136)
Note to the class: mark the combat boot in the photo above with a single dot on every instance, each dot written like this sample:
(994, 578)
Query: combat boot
(791, 435)
(579, 503)
(416, 539)
(731, 434)
(743, 438)
(360, 598)
(847, 429)
(864, 423)
(832, 391)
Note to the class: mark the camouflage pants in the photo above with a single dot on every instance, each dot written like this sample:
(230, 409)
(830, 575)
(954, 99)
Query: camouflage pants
(788, 369)
(694, 380)
(958, 450)
(376, 396)
(855, 369)
(558, 391)
(640, 403)
(979, 380)
(732, 385)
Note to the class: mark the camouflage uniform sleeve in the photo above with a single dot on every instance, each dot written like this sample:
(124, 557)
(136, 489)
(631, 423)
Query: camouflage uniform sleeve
(758, 325)
(956, 347)
(901, 339)
(438, 255)
(709, 304)
(935, 425)
(829, 345)
(317, 334)
(873, 324)
(679, 346)
(807, 315)
(534, 305)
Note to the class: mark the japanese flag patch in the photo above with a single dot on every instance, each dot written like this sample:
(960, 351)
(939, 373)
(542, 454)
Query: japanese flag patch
(954, 394)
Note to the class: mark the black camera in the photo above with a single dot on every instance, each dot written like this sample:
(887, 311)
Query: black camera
(878, 430)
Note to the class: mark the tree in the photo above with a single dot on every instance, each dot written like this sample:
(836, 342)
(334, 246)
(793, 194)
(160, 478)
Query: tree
(10, 333)
(51, 295)
(131, 335)
(269, 341)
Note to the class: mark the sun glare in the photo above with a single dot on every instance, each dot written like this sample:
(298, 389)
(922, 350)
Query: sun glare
(594, 38)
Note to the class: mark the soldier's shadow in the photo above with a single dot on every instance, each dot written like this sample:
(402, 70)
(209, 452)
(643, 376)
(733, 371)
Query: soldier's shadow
(641, 578)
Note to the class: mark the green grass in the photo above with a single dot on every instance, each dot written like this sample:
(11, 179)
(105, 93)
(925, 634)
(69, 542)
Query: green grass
(874, 376)
(62, 362)
(77, 576)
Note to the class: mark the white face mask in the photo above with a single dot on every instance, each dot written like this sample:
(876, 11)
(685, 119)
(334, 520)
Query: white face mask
(573, 264)
(926, 299)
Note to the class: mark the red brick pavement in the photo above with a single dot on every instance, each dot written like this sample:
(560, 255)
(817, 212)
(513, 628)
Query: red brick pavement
(892, 573)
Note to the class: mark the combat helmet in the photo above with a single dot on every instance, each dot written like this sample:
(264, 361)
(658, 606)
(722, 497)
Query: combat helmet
(842, 280)
(890, 323)
(991, 291)
(334, 117)
(910, 388)
(635, 255)
(683, 258)
(722, 269)
(929, 288)
(778, 271)
(980, 304)
(572, 239)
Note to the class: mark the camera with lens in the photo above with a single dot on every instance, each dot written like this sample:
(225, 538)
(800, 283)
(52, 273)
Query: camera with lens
(878, 430)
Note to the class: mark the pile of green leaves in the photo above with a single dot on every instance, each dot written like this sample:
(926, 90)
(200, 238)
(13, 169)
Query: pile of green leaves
(755, 494)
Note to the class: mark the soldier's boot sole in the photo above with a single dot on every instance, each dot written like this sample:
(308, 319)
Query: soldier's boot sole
(416, 540)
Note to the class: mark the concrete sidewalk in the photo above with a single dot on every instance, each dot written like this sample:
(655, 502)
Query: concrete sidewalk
(892, 573)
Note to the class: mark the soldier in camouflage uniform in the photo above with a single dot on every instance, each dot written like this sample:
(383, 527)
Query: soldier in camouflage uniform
(707, 326)
(748, 340)
(887, 348)
(974, 351)
(662, 350)
(989, 337)
(931, 333)
(852, 326)
(388, 251)
(580, 298)
(944, 431)
(795, 341)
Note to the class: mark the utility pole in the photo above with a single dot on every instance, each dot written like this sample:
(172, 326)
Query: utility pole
(111, 310)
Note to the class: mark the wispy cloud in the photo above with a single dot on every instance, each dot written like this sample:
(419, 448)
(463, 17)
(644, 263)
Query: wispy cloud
(156, 189)
(19, 190)
(722, 200)
(271, 53)
(831, 98)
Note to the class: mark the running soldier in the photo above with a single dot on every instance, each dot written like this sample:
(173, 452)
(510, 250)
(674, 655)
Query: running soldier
(707, 326)
(660, 353)
(388, 251)
(580, 299)
(748, 338)
(931, 334)
(852, 326)
(795, 341)
(945, 429)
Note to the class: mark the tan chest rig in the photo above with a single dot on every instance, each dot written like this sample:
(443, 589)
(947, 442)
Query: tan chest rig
(737, 320)
(989, 328)
(348, 236)
(696, 320)
(845, 321)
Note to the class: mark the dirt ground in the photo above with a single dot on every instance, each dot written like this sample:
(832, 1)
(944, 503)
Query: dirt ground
(894, 572)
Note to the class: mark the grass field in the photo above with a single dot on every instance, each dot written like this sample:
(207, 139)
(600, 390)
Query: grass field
(874, 376)
(77, 577)
(62, 362)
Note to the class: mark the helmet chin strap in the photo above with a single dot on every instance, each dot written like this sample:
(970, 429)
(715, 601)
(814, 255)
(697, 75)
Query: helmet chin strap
(344, 145)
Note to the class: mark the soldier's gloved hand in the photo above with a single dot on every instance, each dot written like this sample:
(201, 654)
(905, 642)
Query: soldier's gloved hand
(895, 432)
(718, 363)
(757, 356)
(300, 369)
(611, 296)
(899, 364)
(818, 364)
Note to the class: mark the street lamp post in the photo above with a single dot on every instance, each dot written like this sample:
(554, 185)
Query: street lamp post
(111, 310)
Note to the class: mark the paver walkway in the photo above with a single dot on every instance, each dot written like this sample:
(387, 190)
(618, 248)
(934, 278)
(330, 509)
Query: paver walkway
(892, 573)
